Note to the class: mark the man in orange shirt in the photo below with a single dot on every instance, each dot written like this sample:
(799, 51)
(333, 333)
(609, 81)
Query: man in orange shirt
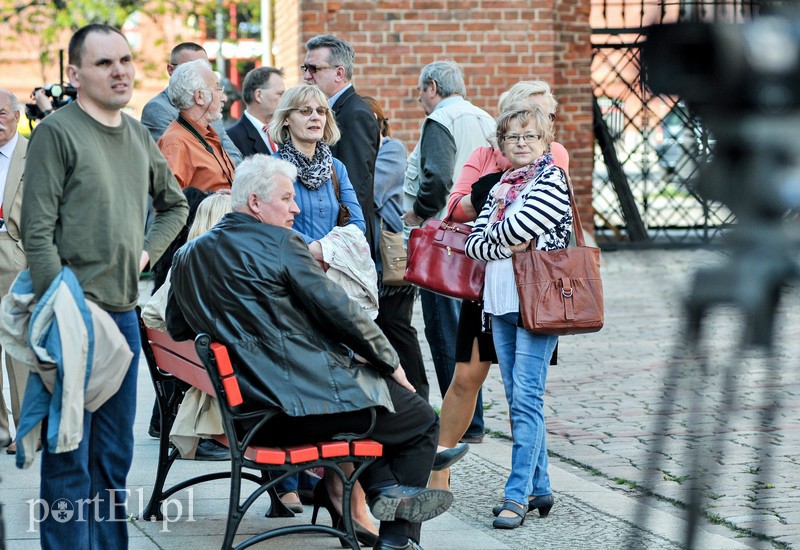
(191, 146)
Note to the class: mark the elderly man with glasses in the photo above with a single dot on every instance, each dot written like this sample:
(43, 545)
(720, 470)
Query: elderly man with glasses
(191, 146)
(160, 111)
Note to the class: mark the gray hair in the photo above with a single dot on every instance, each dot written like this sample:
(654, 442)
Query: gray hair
(294, 98)
(257, 175)
(525, 112)
(185, 81)
(448, 77)
(341, 52)
(15, 106)
(521, 91)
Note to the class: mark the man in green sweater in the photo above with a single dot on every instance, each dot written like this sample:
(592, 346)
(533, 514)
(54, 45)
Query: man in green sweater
(89, 171)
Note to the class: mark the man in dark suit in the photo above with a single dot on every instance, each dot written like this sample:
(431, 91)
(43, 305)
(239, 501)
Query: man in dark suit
(261, 91)
(329, 64)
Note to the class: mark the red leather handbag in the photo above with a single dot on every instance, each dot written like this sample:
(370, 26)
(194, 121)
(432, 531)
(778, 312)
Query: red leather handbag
(437, 262)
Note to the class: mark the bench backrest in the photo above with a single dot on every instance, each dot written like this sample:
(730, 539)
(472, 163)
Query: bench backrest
(181, 359)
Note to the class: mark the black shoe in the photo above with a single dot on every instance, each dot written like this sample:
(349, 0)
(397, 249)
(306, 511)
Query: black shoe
(414, 504)
(410, 545)
(543, 503)
(154, 432)
(448, 457)
(210, 450)
(366, 538)
(475, 438)
(501, 522)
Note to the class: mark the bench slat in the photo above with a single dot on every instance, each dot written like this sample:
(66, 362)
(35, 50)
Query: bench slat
(232, 392)
(183, 368)
(332, 449)
(367, 447)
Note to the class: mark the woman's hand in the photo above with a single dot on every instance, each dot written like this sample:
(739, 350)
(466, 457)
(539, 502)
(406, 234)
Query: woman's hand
(517, 248)
(399, 376)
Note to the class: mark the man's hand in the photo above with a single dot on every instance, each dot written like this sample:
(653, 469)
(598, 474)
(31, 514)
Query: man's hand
(411, 219)
(399, 376)
(144, 260)
(316, 252)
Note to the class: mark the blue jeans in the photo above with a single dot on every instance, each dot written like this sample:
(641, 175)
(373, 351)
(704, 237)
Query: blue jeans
(90, 481)
(524, 358)
(440, 314)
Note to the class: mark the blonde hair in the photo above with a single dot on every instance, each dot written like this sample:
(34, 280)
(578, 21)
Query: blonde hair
(209, 212)
(294, 98)
(523, 90)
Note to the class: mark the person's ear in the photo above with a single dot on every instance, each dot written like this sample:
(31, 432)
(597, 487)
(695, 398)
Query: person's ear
(199, 97)
(72, 75)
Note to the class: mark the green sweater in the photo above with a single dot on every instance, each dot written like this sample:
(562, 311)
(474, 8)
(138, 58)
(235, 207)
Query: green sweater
(84, 204)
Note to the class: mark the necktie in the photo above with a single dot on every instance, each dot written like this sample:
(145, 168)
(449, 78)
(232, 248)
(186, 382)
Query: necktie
(273, 148)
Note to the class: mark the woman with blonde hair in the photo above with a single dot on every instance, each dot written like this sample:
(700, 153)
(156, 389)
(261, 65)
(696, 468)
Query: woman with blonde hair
(303, 127)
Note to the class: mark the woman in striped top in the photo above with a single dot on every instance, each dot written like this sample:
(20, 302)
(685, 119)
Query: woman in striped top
(529, 206)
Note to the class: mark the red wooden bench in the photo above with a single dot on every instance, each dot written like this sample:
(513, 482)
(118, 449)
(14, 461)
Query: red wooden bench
(206, 365)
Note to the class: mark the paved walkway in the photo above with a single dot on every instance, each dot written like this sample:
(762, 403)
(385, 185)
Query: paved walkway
(608, 397)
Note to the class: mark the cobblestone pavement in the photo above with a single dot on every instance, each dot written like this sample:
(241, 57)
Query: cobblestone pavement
(620, 415)
(622, 409)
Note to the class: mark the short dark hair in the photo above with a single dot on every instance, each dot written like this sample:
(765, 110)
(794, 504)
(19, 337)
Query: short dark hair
(341, 52)
(256, 79)
(75, 50)
(189, 46)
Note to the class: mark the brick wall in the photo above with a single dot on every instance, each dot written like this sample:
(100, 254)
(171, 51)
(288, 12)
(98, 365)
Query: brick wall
(496, 42)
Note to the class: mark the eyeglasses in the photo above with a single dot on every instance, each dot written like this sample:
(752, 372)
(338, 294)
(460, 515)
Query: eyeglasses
(306, 111)
(314, 68)
(527, 138)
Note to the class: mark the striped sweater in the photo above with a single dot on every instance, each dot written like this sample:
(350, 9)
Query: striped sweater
(545, 216)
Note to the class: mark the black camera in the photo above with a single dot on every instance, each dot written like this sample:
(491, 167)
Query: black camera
(59, 94)
(743, 80)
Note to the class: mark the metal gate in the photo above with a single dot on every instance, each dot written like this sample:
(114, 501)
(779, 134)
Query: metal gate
(650, 149)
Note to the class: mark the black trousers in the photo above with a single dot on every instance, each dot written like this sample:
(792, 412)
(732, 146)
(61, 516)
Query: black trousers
(394, 318)
(409, 437)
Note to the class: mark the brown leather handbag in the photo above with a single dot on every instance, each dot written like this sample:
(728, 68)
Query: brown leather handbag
(343, 217)
(560, 291)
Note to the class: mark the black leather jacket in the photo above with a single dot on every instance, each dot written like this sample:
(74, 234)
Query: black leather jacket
(255, 288)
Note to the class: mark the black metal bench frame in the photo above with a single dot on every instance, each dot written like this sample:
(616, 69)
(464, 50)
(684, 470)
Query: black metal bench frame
(206, 365)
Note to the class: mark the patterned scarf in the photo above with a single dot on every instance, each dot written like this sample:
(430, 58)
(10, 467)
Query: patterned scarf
(513, 182)
(313, 173)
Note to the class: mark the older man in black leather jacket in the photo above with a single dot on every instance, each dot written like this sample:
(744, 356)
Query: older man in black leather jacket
(251, 284)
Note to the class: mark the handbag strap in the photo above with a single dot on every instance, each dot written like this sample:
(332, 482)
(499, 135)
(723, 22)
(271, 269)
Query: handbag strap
(577, 226)
(335, 179)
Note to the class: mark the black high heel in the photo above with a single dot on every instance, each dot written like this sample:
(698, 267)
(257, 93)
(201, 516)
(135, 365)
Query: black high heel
(366, 538)
(322, 499)
(542, 503)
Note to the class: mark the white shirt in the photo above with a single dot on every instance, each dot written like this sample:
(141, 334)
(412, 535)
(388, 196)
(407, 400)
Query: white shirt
(260, 127)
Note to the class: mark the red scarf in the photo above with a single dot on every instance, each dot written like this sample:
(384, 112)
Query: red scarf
(513, 182)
